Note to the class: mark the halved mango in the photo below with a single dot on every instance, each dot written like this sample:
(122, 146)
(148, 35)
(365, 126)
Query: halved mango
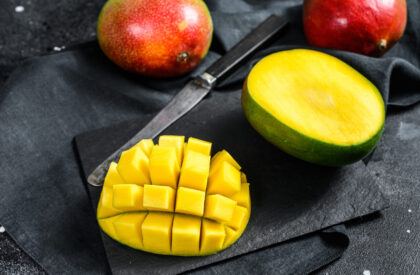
(314, 107)
(181, 211)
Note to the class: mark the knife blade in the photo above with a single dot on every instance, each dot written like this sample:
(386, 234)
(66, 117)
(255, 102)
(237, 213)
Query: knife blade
(196, 89)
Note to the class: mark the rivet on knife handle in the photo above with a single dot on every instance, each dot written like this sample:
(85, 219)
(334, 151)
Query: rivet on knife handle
(196, 90)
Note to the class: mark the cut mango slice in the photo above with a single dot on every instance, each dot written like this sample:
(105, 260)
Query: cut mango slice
(150, 202)
(225, 180)
(113, 177)
(134, 166)
(195, 171)
(146, 146)
(242, 197)
(186, 235)
(156, 230)
(221, 157)
(128, 197)
(230, 236)
(219, 208)
(174, 141)
(106, 206)
(164, 166)
(212, 236)
(128, 229)
(107, 225)
(190, 201)
(239, 216)
(159, 198)
(199, 146)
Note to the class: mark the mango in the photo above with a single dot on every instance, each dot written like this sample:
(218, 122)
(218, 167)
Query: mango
(159, 38)
(314, 107)
(164, 199)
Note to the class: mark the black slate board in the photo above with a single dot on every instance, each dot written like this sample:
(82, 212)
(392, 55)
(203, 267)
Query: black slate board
(290, 198)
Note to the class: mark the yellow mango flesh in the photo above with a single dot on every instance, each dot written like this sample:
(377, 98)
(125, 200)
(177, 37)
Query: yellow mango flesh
(176, 142)
(332, 103)
(195, 171)
(175, 213)
(134, 166)
(164, 166)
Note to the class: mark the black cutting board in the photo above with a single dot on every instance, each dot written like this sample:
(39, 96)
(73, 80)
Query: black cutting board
(289, 197)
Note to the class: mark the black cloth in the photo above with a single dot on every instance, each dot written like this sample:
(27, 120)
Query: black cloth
(44, 205)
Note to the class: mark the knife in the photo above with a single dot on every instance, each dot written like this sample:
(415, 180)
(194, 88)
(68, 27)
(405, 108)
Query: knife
(196, 89)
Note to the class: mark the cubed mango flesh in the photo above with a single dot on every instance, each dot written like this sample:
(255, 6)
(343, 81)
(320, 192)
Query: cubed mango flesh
(212, 236)
(219, 208)
(174, 199)
(113, 177)
(226, 180)
(128, 229)
(195, 171)
(186, 231)
(146, 146)
(199, 146)
(174, 141)
(157, 231)
(159, 198)
(134, 166)
(190, 201)
(221, 157)
(164, 166)
(128, 197)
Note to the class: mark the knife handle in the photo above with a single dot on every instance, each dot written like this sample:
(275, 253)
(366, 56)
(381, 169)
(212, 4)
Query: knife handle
(246, 47)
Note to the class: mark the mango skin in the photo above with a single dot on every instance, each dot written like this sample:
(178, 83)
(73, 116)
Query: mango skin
(368, 27)
(297, 144)
(160, 38)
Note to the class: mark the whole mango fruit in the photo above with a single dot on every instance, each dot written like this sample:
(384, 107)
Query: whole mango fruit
(173, 198)
(160, 38)
(369, 27)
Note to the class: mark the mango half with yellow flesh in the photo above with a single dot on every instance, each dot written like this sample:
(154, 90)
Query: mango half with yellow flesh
(173, 198)
(314, 107)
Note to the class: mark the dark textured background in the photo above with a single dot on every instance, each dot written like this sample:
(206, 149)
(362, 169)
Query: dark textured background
(386, 243)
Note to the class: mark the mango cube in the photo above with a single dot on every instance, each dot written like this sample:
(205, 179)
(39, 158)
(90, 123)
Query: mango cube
(108, 227)
(186, 235)
(112, 176)
(174, 141)
(242, 197)
(195, 171)
(238, 217)
(219, 208)
(221, 157)
(156, 230)
(190, 201)
(199, 146)
(134, 166)
(164, 167)
(146, 146)
(105, 205)
(159, 198)
(212, 236)
(226, 180)
(230, 236)
(128, 197)
(128, 228)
